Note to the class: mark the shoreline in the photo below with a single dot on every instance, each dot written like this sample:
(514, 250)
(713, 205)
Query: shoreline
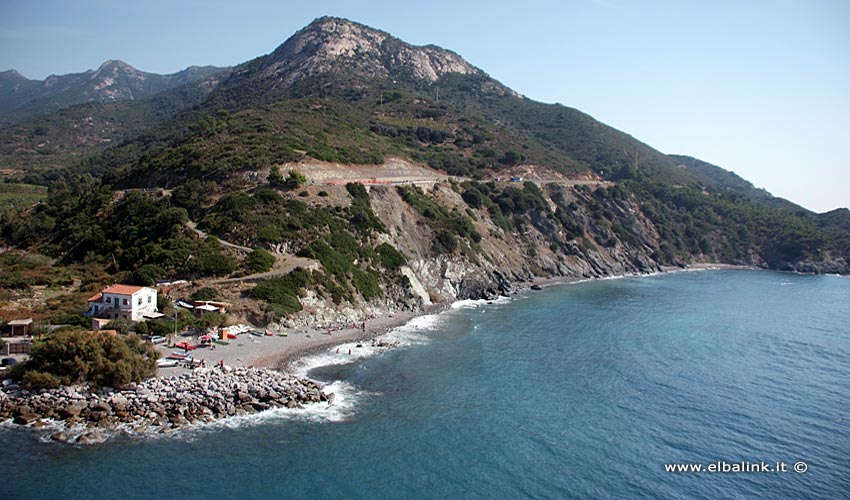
(276, 362)
(283, 353)
(284, 361)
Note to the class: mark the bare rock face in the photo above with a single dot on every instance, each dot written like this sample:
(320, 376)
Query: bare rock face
(332, 44)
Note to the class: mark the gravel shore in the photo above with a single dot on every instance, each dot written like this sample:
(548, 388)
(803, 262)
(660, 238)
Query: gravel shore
(279, 352)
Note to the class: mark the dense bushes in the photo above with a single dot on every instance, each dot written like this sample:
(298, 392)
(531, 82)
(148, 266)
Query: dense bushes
(205, 293)
(282, 293)
(727, 225)
(361, 215)
(138, 232)
(101, 359)
(391, 258)
(259, 261)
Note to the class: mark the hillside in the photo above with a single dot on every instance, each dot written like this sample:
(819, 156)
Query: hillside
(22, 99)
(339, 98)
(719, 178)
(40, 145)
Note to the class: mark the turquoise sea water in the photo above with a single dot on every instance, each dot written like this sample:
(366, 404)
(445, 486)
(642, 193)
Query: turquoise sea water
(578, 391)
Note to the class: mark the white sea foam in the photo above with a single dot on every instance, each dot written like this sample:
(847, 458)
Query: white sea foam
(468, 303)
(338, 410)
(411, 333)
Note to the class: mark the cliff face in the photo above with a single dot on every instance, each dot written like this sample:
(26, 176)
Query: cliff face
(503, 258)
(509, 253)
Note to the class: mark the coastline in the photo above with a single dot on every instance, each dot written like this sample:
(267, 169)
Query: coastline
(283, 353)
(285, 360)
(266, 366)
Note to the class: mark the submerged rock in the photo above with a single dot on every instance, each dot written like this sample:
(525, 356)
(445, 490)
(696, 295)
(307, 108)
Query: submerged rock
(91, 437)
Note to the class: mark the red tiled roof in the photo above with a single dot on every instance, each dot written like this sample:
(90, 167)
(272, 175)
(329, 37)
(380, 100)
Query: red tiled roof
(95, 298)
(123, 289)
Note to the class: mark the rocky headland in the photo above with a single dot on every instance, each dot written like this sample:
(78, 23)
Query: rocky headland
(77, 414)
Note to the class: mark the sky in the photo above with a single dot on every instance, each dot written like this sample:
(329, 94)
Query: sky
(761, 88)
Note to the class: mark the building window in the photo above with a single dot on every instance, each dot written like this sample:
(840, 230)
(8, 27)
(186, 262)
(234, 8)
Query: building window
(149, 299)
(116, 301)
(140, 301)
(126, 302)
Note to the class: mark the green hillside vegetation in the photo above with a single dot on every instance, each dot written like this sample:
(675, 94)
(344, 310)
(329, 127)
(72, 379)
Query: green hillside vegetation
(339, 238)
(20, 196)
(729, 226)
(100, 359)
(40, 145)
(136, 233)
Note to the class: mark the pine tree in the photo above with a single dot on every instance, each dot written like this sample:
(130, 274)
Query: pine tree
(275, 177)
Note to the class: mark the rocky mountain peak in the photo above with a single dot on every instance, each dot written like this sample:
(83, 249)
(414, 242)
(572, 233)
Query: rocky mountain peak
(13, 74)
(331, 44)
(114, 66)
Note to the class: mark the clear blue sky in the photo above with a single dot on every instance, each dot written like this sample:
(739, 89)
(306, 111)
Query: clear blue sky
(758, 87)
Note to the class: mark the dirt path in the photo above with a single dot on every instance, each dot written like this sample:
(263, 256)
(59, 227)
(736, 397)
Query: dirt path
(194, 227)
(290, 262)
(284, 264)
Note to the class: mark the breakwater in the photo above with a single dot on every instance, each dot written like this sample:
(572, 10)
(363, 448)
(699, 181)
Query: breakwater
(76, 414)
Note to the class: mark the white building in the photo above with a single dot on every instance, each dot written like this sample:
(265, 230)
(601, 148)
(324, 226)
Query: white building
(133, 303)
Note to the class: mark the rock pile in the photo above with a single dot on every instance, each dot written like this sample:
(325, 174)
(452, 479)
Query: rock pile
(158, 405)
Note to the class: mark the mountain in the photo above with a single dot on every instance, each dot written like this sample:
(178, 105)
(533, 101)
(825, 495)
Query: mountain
(22, 99)
(353, 55)
(377, 93)
(440, 144)
(46, 143)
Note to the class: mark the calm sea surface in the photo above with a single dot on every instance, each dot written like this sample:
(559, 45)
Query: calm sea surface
(578, 391)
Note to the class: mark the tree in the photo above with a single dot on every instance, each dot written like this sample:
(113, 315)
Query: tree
(511, 157)
(101, 359)
(295, 179)
(275, 177)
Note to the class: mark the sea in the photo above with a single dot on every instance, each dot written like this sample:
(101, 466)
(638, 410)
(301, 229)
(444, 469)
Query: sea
(612, 389)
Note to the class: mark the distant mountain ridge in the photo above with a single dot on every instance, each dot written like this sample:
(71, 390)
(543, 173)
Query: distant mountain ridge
(23, 99)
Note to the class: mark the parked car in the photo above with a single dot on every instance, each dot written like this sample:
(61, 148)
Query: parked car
(8, 362)
(157, 339)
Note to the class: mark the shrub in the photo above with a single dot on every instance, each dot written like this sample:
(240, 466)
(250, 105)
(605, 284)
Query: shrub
(146, 275)
(366, 283)
(282, 292)
(391, 258)
(211, 262)
(205, 293)
(259, 261)
(444, 242)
